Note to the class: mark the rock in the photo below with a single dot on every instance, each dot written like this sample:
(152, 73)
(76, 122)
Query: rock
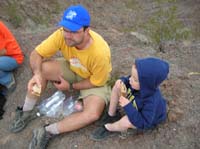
(174, 114)
(141, 37)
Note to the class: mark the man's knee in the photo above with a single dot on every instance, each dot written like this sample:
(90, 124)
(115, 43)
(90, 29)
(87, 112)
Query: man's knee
(96, 116)
(51, 69)
(92, 116)
(93, 107)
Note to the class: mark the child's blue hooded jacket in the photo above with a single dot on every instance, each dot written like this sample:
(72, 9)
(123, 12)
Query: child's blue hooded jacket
(147, 107)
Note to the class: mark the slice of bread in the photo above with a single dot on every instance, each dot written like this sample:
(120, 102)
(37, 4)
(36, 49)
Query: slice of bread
(37, 90)
(123, 89)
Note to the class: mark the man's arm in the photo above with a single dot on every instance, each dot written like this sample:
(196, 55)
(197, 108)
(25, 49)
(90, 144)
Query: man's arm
(64, 85)
(84, 84)
(36, 62)
(36, 66)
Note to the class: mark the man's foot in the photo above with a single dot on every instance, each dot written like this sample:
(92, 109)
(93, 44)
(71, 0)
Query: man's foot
(22, 119)
(40, 139)
(106, 118)
(101, 133)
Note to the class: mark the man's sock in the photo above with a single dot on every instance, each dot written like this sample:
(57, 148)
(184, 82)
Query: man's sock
(29, 104)
(52, 129)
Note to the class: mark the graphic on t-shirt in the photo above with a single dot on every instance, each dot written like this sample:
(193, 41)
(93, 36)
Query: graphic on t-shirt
(75, 62)
(131, 97)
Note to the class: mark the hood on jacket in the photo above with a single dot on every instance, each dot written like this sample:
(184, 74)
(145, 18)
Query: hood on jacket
(151, 72)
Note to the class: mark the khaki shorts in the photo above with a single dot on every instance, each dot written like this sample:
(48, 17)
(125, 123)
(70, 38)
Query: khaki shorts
(104, 92)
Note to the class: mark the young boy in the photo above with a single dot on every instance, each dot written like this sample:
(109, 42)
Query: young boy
(140, 97)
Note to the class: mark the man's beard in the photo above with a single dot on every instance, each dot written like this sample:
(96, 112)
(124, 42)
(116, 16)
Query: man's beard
(72, 43)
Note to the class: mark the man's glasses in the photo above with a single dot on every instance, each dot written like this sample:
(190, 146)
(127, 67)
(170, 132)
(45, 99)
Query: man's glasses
(72, 32)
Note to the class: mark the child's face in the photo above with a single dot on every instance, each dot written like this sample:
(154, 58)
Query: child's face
(133, 80)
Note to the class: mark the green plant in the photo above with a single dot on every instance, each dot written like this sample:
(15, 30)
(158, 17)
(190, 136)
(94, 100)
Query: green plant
(164, 24)
(131, 4)
(14, 14)
(112, 80)
(39, 19)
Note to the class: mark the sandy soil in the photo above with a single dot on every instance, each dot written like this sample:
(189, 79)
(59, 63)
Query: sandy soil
(113, 20)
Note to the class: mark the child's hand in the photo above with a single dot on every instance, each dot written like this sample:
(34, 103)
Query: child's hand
(118, 85)
(123, 101)
(120, 88)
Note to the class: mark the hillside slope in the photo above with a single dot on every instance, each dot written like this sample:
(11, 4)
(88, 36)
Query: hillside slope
(32, 21)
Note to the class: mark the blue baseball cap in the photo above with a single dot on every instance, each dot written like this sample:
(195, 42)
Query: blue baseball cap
(75, 17)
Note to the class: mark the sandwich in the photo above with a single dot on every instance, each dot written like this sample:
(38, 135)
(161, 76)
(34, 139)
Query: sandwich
(123, 89)
(37, 90)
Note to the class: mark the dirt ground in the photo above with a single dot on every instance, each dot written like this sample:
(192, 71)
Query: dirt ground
(114, 20)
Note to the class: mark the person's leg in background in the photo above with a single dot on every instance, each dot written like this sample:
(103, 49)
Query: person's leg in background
(7, 65)
(2, 103)
(7, 80)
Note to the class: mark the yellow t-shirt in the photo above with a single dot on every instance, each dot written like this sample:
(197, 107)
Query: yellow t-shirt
(93, 63)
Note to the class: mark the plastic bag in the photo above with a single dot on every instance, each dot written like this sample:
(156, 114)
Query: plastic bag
(68, 106)
(58, 105)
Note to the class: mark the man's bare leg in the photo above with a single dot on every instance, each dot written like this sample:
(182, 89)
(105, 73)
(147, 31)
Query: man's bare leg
(93, 107)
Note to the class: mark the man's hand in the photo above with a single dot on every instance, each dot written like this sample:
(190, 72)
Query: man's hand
(62, 84)
(123, 101)
(36, 79)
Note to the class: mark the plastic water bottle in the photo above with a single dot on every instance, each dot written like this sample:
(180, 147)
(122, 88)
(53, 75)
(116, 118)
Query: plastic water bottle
(55, 110)
(52, 106)
(68, 106)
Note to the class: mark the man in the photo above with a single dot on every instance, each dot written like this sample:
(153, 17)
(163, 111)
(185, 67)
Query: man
(86, 67)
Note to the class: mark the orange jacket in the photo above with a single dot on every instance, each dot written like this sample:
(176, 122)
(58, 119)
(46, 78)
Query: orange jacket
(9, 43)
